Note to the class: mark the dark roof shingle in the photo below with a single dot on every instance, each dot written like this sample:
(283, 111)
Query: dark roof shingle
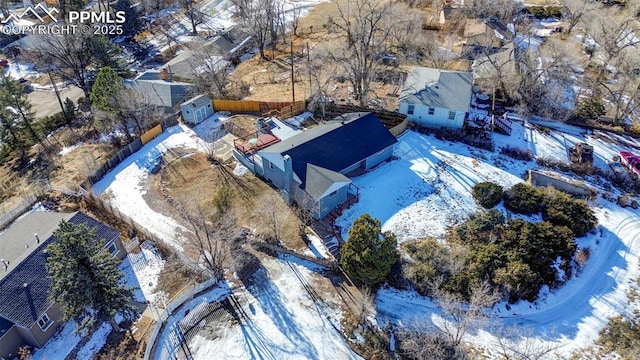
(336, 145)
(24, 305)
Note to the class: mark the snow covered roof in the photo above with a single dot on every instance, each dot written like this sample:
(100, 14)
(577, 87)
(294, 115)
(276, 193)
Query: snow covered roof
(438, 88)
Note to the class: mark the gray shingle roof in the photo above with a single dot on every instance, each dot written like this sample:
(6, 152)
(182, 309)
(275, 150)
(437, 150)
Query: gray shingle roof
(438, 88)
(18, 241)
(160, 92)
(24, 305)
(319, 180)
(335, 145)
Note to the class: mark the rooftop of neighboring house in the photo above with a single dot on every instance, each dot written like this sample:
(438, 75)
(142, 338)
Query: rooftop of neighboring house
(158, 87)
(473, 27)
(214, 51)
(25, 285)
(438, 88)
(333, 146)
(19, 240)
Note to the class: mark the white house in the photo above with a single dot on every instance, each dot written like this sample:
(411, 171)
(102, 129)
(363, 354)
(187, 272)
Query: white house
(196, 109)
(436, 98)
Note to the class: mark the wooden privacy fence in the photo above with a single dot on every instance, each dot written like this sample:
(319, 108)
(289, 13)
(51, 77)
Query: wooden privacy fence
(125, 152)
(108, 165)
(287, 109)
(400, 128)
(151, 134)
(396, 122)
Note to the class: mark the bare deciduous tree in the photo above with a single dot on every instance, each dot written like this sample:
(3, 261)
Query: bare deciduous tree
(574, 10)
(366, 27)
(271, 214)
(212, 238)
(321, 69)
(521, 344)
(418, 344)
(260, 18)
(461, 316)
(70, 54)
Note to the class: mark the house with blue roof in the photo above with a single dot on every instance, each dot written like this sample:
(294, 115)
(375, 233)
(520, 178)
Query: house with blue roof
(27, 317)
(312, 168)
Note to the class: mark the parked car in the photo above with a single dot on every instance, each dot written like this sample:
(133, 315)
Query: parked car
(631, 162)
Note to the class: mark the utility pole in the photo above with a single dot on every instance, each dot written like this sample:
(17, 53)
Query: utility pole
(55, 88)
(293, 85)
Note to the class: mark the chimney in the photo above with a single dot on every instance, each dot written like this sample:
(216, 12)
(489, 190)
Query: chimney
(165, 74)
(37, 238)
(288, 178)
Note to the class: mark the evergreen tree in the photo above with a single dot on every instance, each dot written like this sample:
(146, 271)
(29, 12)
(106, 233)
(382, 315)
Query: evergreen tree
(369, 254)
(106, 53)
(69, 110)
(86, 279)
(133, 23)
(105, 90)
(13, 99)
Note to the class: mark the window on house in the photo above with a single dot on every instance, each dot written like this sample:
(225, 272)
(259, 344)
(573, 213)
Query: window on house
(333, 194)
(432, 111)
(44, 322)
(113, 248)
(270, 165)
(452, 115)
(410, 109)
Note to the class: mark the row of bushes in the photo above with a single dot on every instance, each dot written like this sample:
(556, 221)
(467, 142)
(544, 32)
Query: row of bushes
(516, 257)
(555, 206)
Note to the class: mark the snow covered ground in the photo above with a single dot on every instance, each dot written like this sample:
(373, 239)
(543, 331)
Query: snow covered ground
(427, 189)
(275, 319)
(218, 16)
(124, 185)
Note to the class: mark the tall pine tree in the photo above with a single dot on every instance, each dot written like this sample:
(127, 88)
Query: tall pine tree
(369, 254)
(86, 280)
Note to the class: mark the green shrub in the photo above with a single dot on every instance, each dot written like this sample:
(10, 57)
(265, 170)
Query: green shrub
(479, 226)
(369, 254)
(487, 194)
(562, 209)
(523, 199)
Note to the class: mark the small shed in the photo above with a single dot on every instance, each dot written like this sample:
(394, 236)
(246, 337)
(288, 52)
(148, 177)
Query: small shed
(196, 109)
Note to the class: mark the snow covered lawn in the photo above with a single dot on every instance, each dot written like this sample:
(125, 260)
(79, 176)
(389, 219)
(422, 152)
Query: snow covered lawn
(125, 183)
(427, 189)
(278, 320)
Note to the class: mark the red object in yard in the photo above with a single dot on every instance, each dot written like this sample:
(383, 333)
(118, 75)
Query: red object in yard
(631, 162)
(4, 62)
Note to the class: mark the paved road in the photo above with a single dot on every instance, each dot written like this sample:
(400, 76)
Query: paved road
(45, 102)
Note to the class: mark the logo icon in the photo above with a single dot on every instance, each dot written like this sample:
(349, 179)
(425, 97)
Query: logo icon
(34, 11)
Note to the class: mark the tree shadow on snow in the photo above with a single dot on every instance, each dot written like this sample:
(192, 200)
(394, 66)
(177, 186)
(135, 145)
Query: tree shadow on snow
(273, 303)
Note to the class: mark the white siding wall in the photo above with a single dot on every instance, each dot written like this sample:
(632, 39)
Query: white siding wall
(439, 118)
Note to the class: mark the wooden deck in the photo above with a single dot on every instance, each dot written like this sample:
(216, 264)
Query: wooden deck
(254, 142)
